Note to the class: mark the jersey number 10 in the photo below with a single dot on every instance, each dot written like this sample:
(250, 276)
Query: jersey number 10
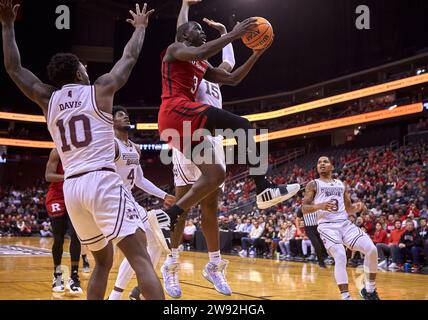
(73, 132)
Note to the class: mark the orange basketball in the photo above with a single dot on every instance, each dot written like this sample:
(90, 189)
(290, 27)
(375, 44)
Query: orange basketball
(262, 36)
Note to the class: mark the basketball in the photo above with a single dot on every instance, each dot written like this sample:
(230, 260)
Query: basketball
(261, 37)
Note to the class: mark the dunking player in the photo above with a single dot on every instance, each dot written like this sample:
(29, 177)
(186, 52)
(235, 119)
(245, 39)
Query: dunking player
(331, 200)
(186, 173)
(184, 66)
(128, 166)
(80, 122)
(60, 222)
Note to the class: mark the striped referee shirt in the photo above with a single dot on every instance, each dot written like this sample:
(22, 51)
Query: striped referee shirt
(310, 219)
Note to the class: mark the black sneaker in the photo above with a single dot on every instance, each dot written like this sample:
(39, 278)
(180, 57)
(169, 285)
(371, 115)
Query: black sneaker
(369, 296)
(322, 265)
(73, 285)
(135, 294)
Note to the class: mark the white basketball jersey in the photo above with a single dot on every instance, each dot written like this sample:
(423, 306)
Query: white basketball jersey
(127, 162)
(331, 191)
(209, 93)
(82, 133)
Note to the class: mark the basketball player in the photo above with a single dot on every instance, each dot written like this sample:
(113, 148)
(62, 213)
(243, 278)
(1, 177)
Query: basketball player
(60, 223)
(127, 159)
(186, 173)
(79, 119)
(184, 66)
(331, 200)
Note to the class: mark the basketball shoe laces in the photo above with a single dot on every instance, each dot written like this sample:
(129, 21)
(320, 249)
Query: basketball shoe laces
(219, 273)
(172, 276)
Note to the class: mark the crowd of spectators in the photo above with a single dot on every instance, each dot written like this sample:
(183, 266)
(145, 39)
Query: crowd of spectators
(23, 213)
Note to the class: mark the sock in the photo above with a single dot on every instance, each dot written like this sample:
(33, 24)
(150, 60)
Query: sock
(115, 295)
(215, 257)
(74, 270)
(85, 258)
(173, 257)
(346, 295)
(261, 183)
(57, 269)
(370, 286)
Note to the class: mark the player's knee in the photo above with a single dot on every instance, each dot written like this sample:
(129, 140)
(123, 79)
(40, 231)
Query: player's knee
(218, 176)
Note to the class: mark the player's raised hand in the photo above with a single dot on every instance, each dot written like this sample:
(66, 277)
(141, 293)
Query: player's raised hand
(241, 28)
(216, 25)
(140, 18)
(262, 51)
(191, 2)
(8, 11)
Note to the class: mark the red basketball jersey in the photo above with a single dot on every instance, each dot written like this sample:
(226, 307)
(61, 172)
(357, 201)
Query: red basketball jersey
(55, 191)
(180, 80)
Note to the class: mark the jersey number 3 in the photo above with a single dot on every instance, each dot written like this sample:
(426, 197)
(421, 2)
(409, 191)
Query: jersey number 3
(77, 143)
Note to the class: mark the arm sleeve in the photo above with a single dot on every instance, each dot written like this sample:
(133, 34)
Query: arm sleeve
(229, 55)
(148, 186)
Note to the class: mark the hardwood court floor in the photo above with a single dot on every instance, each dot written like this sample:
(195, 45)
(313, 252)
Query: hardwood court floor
(29, 277)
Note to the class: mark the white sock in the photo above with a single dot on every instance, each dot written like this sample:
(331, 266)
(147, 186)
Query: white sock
(215, 257)
(115, 295)
(370, 286)
(346, 295)
(173, 257)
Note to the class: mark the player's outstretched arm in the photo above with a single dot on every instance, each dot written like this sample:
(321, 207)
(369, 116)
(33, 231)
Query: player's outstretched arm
(27, 82)
(183, 16)
(113, 81)
(149, 187)
(51, 166)
(228, 55)
(308, 201)
(179, 51)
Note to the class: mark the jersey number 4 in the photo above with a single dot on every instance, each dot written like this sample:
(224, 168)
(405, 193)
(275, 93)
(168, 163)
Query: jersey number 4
(131, 176)
(72, 126)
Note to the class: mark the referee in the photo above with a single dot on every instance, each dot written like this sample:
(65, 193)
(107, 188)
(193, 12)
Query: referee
(311, 225)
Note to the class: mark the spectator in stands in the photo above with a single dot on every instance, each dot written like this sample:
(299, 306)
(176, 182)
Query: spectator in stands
(265, 244)
(385, 250)
(248, 242)
(248, 226)
(46, 230)
(189, 232)
(380, 235)
(408, 240)
(296, 242)
(422, 232)
(284, 243)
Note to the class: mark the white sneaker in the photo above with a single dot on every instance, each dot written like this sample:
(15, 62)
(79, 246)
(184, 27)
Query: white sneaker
(243, 253)
(393, 266)
(170, 280)
(58, 283)
(382, 264)
(276, 194)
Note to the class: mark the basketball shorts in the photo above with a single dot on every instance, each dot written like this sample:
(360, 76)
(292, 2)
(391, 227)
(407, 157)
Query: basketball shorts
(56, 208)
(186, 172)
(178, 120)
(102, 209)
(341, 232)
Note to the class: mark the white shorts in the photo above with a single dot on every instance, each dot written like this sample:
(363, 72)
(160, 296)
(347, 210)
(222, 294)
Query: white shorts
(101, 209)
(341, 232)
(186, 172)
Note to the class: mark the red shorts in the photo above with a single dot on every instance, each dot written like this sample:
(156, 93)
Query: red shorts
(55, 207)
(182, 117)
